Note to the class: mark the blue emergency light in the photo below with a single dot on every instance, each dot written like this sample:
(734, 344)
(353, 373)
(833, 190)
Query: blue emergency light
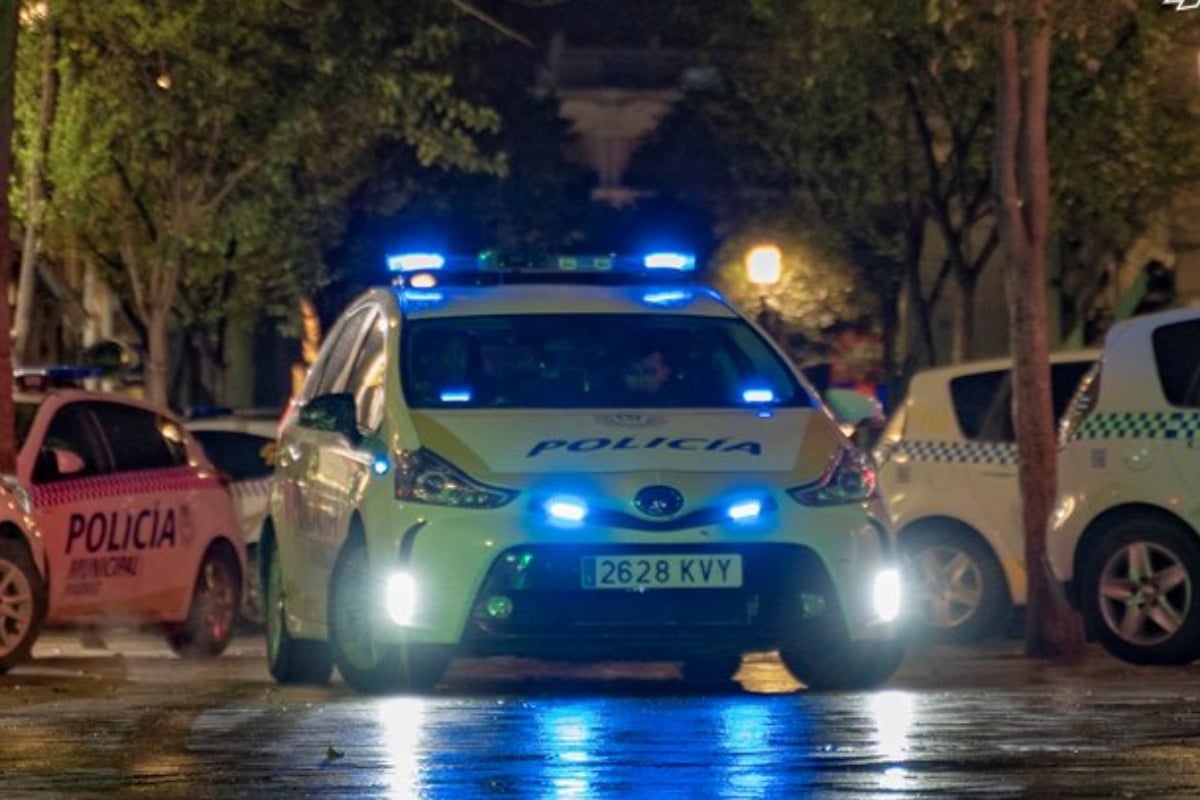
(427, 269)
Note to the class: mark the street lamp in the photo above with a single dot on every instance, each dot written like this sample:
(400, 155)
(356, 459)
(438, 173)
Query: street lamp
(764, 264)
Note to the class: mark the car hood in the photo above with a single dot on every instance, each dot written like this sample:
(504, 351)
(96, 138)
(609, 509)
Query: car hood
(799, 442)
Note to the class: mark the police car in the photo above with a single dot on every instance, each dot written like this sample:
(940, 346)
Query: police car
(567, 458)
(948, 472)
(1125, 533)
(22, 574)
(136, 527)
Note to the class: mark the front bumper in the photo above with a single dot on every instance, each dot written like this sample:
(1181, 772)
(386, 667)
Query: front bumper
(531, 603)
(489, 587)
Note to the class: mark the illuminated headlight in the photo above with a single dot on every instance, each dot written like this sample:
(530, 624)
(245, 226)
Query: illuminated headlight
(744, 510)
(401, 598)
(886, 595)
(849, 478)
(566, 509)
(422, 477)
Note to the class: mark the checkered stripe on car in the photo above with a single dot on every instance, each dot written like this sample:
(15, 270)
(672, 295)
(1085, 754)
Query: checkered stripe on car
(138, 482)
(960, 452)
(1141, 425)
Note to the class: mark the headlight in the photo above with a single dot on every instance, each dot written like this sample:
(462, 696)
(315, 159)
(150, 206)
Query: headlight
(422, 477)
(18, 492)
(849, 478)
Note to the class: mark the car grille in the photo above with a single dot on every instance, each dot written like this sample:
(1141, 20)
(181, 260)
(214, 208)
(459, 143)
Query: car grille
(785, 589)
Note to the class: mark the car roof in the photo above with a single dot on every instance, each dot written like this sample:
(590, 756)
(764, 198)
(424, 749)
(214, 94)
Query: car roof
(1130, 381)
(562, 298)
(66, 395)
(950, 371)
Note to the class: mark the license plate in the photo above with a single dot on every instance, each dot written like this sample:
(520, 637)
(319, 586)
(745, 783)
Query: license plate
(716, 571)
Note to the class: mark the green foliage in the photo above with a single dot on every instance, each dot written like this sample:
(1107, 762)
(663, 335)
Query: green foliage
(216, 143)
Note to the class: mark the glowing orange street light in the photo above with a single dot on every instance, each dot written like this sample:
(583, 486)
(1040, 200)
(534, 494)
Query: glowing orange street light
(764, 266)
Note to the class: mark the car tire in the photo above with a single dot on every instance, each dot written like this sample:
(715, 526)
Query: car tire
(289, 660)
(355, 615)
(844, 666)
(216, 602)
(711, 672)
(22, 604)
(958, 589)
(1140, 590)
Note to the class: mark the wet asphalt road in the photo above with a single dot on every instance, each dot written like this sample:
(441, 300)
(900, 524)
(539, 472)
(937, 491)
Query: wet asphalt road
(134, 721)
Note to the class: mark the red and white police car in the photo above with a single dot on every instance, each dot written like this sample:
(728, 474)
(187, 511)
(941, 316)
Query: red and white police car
(118, 518)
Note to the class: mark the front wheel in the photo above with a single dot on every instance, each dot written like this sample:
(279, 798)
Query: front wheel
(290, 660)
(842, 665)
(216, 600)
(711, 672)
(1139, 591)
(22, 604)
(959, 590)
(355, 615)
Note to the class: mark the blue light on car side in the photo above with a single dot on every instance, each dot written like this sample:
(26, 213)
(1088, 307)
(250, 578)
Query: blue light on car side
(455, 395)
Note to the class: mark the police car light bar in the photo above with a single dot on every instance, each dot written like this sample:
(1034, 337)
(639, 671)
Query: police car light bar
(415, 262)
(496, 263)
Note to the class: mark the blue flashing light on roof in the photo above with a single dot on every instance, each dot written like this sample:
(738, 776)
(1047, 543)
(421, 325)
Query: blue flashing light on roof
(684, 262)
(415, 262)
(425, 270)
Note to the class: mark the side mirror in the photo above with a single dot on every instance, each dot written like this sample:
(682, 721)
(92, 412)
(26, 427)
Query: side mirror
(334, 413)
(853, 408)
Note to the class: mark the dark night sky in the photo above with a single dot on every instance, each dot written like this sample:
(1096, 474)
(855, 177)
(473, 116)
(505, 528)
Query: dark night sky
(585, 22)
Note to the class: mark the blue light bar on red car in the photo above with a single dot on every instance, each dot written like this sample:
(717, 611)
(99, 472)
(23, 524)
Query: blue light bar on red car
(415, 262)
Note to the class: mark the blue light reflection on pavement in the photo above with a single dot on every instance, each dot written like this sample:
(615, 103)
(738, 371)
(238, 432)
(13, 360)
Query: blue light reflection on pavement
(724, 746)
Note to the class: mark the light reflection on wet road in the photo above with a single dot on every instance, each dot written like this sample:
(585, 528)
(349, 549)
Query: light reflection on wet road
(982, 722)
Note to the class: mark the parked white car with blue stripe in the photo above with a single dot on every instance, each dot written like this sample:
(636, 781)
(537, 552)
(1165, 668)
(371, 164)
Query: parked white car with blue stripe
(557, 458)
(948, 470)
(1125, 532)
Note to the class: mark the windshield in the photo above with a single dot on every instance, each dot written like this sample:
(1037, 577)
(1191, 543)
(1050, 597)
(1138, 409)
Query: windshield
(592, 361)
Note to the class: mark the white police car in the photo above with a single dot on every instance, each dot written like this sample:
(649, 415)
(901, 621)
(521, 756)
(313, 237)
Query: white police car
(1125, 533)
(948, 472)
(130, 522)
(559, 458)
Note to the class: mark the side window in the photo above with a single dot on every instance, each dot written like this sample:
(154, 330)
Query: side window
(140, 439)
(983, 405)
(1177, 356)
(333, 362)
(242, 456)
(73, 447)
(366, 375)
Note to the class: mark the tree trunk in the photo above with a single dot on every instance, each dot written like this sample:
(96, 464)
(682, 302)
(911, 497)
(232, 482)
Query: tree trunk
(8, 52)
(1053, 629)
(964, 316)
(35, 196)
(158, 352)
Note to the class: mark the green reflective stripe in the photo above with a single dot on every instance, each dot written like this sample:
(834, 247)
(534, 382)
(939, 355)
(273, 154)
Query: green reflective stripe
(1141, 425)
(960, 452)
